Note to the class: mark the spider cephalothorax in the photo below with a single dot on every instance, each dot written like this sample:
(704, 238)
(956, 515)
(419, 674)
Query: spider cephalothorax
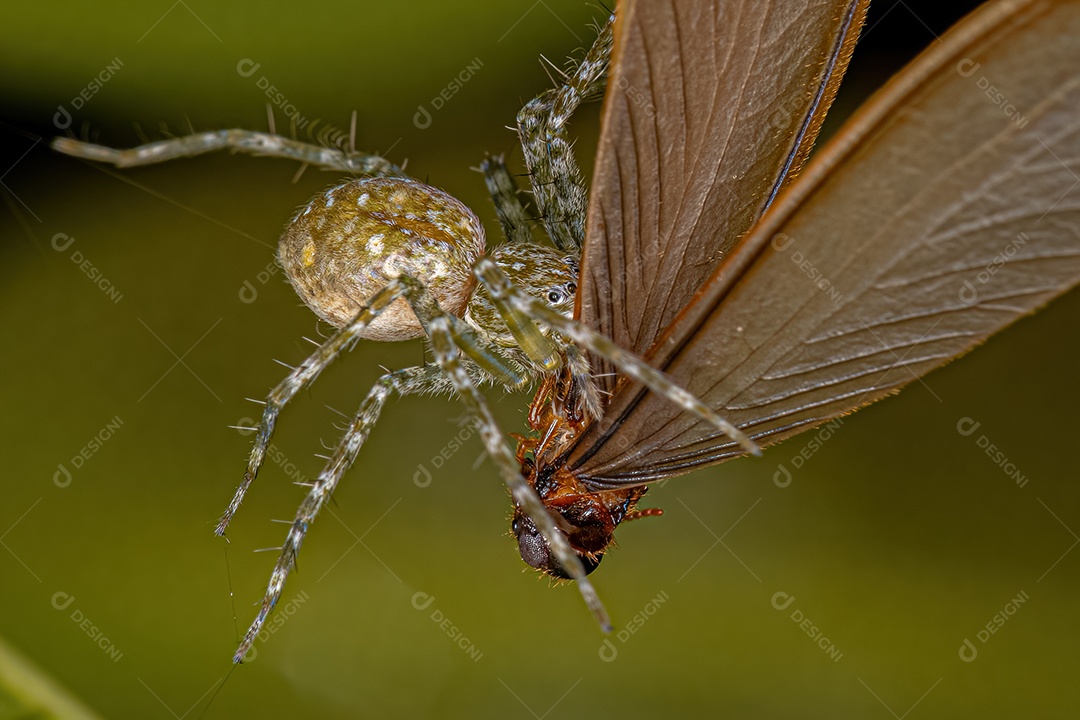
(538, 270)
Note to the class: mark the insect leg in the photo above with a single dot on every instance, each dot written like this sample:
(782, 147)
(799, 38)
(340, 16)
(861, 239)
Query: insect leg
(246, 141)
(409, 381)
(558, 187)
(589, 404)
(502, 291)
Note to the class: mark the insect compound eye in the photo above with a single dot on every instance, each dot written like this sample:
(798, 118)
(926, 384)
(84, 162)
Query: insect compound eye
(532, 546)
(536, 553)
(350, 241)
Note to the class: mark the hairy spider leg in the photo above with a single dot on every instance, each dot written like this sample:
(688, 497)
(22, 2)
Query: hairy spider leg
(445, 330)
(246, 141)
(541, 126)
(558, 188)
(489, 358)
(514, 220)
(523, 494)
(408, 381)
(503, 292)
(515, 224)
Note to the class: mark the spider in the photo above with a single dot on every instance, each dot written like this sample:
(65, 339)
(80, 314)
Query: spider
(383, 256)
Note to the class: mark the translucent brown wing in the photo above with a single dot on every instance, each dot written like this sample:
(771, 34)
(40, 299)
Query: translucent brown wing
(945, 210)
(725, 98)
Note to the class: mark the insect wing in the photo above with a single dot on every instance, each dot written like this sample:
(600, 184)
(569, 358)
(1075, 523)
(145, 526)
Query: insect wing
(939, 215)
(710, 107)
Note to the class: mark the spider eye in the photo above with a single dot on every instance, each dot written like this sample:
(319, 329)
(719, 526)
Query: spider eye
(571, 287)
(554, 296)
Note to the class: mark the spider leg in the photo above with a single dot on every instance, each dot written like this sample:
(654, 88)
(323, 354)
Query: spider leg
(504, 193)
(526, 498)
(558, 188)
(297, 380)
(449, 337)
(409, 381)
(446, 344)
(503, 293)
(246, 141)
(516, 227)
(493, 362)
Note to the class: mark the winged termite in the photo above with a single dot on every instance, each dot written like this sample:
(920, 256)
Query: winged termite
(931, 221)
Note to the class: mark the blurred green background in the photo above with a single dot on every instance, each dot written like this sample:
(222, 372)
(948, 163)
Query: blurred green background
(898, 539)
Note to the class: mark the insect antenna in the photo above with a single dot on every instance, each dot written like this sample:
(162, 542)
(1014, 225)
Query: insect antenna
(647, 512)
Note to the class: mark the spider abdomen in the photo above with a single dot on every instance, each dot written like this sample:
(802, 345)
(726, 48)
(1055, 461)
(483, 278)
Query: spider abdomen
(349, 241)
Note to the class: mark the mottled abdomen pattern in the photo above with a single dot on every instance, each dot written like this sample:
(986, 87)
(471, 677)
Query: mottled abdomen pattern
(351, 240)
